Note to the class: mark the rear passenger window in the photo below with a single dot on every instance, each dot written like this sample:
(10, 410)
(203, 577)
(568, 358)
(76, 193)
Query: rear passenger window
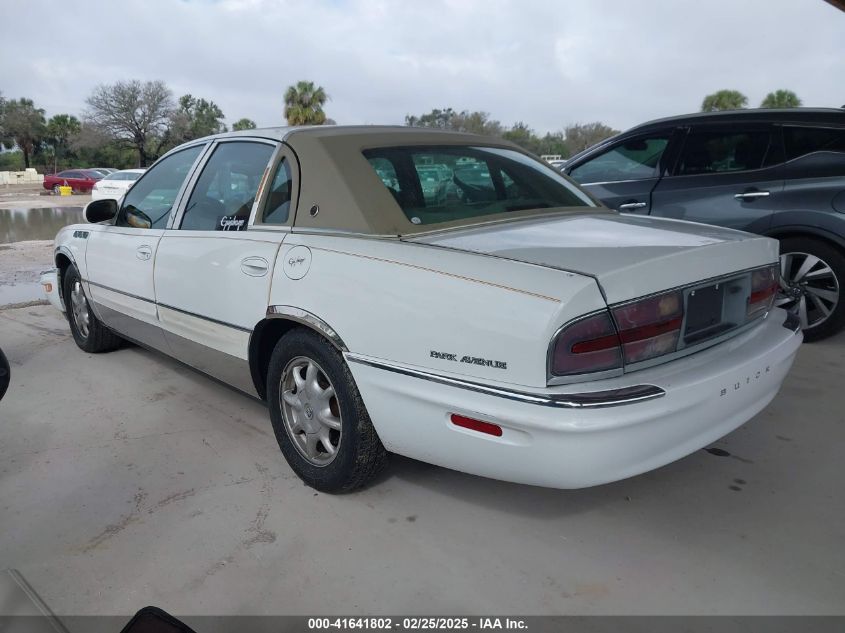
(225, 191)
(711, 152)
(800, 141)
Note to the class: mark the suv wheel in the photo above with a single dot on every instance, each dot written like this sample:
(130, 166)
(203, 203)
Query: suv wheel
(812, 274)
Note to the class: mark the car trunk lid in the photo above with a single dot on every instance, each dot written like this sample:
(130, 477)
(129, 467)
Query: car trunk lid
(629, 256)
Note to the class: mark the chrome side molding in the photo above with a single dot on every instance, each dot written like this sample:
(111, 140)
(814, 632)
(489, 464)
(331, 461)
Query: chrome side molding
(587, 400)
(311, 320)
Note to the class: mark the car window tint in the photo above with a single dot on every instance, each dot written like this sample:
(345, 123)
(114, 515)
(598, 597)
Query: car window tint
(800, 141)
(634, 159)
(277, 208)
(148, 203)
(224, 193)
(710, 152)
(442, 184)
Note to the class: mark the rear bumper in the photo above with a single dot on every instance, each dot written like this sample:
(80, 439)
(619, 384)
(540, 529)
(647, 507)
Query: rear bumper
(705, 396)
(50, 286)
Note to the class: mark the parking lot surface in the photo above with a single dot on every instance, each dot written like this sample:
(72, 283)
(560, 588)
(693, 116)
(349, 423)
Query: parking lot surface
(127, 480)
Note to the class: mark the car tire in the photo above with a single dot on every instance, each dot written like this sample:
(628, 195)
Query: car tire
(812, 278)
(56, 190)
(5, 374)
(318, 416)
(88, 331)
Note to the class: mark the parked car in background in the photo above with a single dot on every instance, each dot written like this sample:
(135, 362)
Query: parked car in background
(80, 180)
(518, 331)
(104, 170)
(115, 184)
(779, 173)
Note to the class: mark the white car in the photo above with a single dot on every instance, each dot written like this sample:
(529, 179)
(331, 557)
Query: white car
(116, 184)
(513, 329)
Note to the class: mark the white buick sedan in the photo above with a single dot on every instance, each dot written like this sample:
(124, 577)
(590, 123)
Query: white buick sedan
(488, 316)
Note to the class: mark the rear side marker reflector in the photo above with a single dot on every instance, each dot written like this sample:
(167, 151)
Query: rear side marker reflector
(476, 425)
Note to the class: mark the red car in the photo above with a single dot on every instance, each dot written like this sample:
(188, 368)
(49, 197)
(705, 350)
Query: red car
(81, 180)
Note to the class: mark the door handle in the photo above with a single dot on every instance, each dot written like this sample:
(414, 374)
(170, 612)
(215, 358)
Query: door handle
(751, 195)
(144, 252)
(632, 205)
(254, 266)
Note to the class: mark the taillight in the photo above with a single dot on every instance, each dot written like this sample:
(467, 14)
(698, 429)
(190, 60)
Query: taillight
(650, 327)
(764, 288)
(590, 344)
(644, 329)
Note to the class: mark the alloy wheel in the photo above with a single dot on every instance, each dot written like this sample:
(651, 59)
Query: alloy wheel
(311, 411)
(809, 288)
(79, 309)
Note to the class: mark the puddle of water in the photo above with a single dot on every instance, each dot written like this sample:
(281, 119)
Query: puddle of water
(18, 225)
(21, 293)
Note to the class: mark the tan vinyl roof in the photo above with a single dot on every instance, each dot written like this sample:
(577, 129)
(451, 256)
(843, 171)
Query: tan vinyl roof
(336, 177)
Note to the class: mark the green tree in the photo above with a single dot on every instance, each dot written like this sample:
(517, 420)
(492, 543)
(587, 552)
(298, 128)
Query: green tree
(243, 124)
(304, 104)
(195, 118)
(580, 136)
(553, 143)
(523, 136)
(781, 99)
(24, 126)
(60, 129)
(724, 100)
(464, 121)
(133, 112)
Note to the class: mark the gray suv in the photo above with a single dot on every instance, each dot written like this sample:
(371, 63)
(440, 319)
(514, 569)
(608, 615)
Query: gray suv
(779, 173)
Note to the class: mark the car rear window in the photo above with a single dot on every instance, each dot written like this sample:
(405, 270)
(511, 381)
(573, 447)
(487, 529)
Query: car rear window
(442, 184)
(800, 141)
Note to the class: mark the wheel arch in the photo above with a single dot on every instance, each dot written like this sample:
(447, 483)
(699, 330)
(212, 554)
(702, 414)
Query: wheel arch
(279, 321)
(784, 232)
(64, 260)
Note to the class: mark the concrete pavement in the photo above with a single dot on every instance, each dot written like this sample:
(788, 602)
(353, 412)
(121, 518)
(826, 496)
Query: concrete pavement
(127, 480)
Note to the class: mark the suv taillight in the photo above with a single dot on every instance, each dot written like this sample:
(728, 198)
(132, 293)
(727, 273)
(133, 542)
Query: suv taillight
(764, 289)
(643, 329)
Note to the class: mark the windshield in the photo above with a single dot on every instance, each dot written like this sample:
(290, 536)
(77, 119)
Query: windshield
(442, 184)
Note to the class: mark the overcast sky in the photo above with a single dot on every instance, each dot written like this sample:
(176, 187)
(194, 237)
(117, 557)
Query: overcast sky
(548, 63)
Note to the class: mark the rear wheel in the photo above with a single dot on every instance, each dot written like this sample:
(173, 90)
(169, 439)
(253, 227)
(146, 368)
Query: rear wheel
(88, 331)
(318, 416)
(812, 274)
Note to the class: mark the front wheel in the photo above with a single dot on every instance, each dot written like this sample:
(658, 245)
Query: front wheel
(318, 416)
(812, 274)
(88, 331)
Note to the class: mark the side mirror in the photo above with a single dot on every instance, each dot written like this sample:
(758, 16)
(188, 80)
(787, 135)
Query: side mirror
(100, 211)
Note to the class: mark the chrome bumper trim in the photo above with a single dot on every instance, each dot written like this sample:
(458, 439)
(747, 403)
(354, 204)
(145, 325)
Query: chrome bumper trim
(587, 400)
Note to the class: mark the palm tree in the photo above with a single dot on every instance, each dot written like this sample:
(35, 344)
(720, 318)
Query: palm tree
(724, 100)
(304, 104)
(781, 99)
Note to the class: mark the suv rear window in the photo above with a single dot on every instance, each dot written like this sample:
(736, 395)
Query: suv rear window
(709, 152)
(442, 184)
(800, 141)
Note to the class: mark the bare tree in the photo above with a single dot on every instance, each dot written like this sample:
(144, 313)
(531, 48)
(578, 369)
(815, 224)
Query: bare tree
(134, 112)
